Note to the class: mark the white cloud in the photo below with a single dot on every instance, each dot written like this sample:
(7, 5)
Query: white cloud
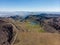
(31, 9)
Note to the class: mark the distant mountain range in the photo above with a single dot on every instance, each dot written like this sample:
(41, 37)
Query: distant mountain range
(25, 13)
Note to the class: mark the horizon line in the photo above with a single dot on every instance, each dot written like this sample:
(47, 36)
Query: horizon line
(26, 11)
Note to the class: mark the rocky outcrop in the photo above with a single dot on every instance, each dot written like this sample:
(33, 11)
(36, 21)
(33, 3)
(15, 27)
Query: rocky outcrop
(6, 33)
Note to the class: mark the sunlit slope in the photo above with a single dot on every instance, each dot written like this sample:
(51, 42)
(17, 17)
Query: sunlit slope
(34, 38)
(33, 35)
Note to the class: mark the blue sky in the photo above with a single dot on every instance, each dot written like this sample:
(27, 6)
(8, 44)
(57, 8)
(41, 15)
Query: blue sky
(30, 5)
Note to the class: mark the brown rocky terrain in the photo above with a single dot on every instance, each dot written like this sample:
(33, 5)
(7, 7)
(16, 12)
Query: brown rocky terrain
(52, 25)
(7, 32)
(13, 32)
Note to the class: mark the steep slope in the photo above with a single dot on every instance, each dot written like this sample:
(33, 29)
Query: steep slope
(8, 32)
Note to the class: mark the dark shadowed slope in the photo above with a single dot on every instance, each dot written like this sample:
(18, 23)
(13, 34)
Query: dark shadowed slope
(7, 32)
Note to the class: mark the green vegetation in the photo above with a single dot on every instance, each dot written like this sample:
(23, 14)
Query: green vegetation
(33, 28)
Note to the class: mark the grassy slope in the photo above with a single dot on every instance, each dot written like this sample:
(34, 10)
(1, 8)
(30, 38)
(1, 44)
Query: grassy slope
(33, 36)
(32, 28)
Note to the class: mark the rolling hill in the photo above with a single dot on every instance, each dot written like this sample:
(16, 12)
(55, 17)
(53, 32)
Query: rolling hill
(32, 30)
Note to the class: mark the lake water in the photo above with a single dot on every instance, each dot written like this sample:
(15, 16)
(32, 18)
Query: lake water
(33, 23)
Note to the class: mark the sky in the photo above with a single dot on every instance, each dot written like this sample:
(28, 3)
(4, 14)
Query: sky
(30, 5)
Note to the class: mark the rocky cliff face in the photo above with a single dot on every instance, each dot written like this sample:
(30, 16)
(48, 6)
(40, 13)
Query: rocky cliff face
(6, 32)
